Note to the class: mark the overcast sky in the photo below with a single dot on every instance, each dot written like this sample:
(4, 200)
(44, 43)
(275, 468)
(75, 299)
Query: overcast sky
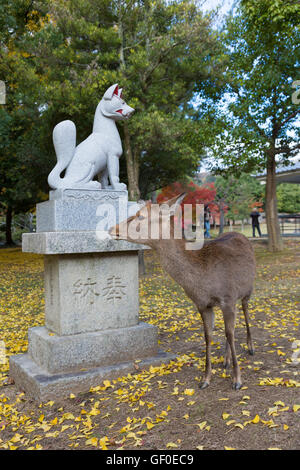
(211, 4)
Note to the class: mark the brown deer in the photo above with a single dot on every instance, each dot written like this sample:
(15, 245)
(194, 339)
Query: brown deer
(220, 273)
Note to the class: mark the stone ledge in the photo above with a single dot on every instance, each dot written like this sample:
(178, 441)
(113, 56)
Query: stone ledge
(42, 386)
(53, 243)
(60, 354)
(88, 194)
(72, 209)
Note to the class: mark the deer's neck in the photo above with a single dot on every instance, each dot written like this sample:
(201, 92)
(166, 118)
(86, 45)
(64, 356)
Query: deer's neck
(180, 263)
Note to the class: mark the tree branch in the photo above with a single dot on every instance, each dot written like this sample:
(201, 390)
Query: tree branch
(291, 116)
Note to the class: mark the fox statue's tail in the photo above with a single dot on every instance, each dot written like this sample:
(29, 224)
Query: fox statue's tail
(64, 140)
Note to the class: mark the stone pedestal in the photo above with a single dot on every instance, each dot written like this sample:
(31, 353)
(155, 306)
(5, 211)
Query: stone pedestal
(92, 329)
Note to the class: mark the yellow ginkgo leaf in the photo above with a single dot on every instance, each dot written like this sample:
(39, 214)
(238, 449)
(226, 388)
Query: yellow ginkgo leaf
(202, 425)
(93, 441)
(149, 425)
(171, 444)
(189, 391)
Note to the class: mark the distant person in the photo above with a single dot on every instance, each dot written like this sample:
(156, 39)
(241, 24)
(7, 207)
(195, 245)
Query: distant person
(206, 222)
(255, 221)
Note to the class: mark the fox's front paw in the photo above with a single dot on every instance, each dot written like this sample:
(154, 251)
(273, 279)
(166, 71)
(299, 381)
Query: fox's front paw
(93, 185)
(120, 186)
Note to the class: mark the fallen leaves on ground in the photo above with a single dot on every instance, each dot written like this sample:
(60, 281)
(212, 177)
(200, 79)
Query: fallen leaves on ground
(162, 407)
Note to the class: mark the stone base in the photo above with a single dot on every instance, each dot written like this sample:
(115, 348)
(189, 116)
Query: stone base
(62, 354)
(42, 387)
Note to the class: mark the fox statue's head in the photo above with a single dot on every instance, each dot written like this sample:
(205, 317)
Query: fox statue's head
(113, 106)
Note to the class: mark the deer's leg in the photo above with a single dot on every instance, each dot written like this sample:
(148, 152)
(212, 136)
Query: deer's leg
(227, 356)
(246, 314)
(208, 322)
(229, 320)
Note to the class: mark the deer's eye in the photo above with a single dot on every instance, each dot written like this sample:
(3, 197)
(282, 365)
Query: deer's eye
(141, 217)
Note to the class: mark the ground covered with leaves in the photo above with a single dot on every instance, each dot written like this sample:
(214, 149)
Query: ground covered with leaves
(162, 407)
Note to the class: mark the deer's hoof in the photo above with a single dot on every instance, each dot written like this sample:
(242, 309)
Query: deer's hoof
(236, 385)
(251, 352)
(203, 385)
(226, 364)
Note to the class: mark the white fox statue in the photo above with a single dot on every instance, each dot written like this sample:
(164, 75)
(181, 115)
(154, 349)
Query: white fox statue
(98, 154)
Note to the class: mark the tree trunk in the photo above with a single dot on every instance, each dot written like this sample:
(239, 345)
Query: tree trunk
(132, 168)
(131, 159)
(274, 236)
(221, 228)
(8, 222)
(142, 269)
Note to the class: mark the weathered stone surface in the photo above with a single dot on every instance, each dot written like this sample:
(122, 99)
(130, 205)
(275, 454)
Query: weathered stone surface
(91, 292)
(52, 243)
(41, 386)
(74, 209)
(59, 354)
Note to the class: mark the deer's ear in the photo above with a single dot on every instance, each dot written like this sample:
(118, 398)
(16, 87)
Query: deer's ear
(111, 91)
(175, 200)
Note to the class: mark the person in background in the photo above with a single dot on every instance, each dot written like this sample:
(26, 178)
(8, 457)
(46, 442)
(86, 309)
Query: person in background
(255, 221)
(206, 222)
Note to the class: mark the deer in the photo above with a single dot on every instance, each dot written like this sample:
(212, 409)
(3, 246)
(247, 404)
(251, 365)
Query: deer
(220, 273)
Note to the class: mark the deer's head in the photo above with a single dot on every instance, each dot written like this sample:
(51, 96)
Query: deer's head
(151, 224)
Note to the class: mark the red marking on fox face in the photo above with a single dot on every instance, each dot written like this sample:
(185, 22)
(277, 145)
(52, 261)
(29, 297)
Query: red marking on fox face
(119, 111)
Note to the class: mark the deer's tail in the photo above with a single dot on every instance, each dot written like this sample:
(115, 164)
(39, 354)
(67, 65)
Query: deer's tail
(64, 140)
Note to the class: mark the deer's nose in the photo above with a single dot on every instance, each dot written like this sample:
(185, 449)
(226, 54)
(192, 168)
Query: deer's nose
(114, 231)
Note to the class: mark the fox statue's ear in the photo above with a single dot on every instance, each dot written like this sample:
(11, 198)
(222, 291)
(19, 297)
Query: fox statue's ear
(111, 91)
(120, 92)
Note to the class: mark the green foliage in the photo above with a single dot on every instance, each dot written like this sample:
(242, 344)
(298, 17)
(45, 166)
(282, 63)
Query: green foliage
(156, 50)
(239, 194)
(279, 13)
(21, 162)
(288, 198)
(58, 58)
(260, 119)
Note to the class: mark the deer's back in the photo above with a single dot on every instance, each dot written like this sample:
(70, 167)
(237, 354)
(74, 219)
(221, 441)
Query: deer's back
(227, 264)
